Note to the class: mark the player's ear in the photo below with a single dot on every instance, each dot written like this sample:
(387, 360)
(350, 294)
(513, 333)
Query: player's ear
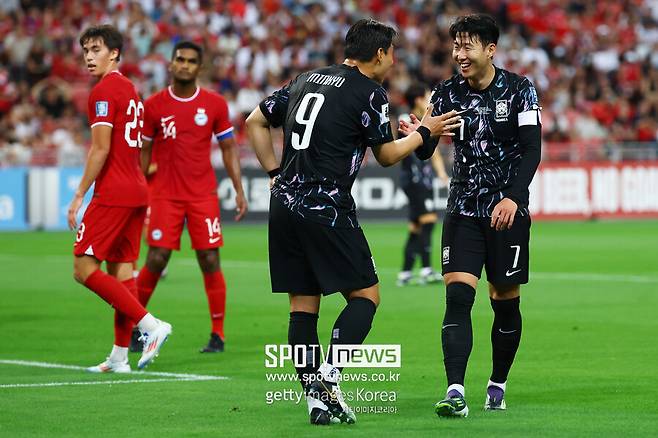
(491, 50)
(115, 55)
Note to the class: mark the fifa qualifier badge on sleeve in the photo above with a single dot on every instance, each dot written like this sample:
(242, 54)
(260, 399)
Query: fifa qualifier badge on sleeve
(201, 118)
(101, 108)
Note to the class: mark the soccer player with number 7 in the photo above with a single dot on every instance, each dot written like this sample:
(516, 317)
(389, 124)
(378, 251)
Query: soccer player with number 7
(111, 226)
(330, 117)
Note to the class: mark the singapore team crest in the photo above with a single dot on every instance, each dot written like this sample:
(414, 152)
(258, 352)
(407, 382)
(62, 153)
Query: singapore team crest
(201, 118)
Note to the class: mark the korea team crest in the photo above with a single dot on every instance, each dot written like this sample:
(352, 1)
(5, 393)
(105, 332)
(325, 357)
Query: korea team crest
(201, 118)
(502, 110)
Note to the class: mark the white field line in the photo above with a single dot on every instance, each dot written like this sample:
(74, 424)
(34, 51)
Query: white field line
(165, 377)
(246, 264)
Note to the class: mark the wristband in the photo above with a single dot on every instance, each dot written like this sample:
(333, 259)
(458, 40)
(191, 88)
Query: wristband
(274, 172)
(424, 132)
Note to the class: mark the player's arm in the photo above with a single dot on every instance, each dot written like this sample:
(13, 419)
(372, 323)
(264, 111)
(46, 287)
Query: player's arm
(232, 165)
(145, 156)
(430, 126)
(427, 149)
(270, 113)
(529, 120)
(101, 138)
(439, 166)
(258, 129)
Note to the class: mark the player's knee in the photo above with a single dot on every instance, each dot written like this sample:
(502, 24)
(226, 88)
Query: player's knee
(80, 273)
(372, 294)
(157, 259)
(504, 291)
(208, 260)
(460, 296)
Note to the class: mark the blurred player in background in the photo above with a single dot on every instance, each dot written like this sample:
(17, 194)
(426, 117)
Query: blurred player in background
(111, 226)
(179, 124)
(417, 181)
(330, 116)
(497, 151)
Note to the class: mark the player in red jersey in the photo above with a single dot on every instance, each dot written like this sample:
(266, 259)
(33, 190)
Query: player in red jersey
(110, 228)
(179, 124)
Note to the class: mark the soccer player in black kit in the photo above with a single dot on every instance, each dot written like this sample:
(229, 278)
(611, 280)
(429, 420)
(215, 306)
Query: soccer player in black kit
(497, 151)
(417, 181)
(330, 116)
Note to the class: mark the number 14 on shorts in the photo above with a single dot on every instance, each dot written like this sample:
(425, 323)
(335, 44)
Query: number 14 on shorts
(214, 230)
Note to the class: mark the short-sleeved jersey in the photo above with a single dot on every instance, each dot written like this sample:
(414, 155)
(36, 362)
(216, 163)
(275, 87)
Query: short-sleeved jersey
(114, 102)
(330, 116)
(181, 130)
(487, 149)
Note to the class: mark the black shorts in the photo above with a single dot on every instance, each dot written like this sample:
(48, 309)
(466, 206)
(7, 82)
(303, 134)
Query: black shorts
(468, 243)
(309, 258)
(421, 201)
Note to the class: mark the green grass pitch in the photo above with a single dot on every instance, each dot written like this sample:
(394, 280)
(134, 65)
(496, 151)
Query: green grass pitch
(587, 366)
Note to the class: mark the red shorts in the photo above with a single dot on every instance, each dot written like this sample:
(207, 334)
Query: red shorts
(168, 216)
(110, 233)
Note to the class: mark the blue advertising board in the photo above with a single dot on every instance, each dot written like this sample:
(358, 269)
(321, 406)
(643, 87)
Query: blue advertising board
(13, 198)
(69, 178)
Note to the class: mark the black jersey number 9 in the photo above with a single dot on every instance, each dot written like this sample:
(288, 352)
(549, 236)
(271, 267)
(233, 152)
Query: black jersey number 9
(300, 118)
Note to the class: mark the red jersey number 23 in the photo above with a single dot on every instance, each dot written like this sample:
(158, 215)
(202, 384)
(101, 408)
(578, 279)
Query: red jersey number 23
(137, 110)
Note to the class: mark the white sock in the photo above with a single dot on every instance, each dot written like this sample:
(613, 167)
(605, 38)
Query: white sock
(500, 385)
(119, 354)
(148, 323)
(329, 373)
(457, 387)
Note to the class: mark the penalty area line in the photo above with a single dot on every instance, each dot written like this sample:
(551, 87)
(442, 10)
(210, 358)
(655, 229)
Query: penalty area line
(163, 376)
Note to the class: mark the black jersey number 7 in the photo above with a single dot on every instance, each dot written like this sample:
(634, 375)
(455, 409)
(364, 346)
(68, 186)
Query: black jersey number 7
(315, 100)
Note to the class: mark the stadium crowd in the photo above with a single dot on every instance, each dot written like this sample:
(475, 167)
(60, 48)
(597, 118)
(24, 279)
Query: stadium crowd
(594, 63)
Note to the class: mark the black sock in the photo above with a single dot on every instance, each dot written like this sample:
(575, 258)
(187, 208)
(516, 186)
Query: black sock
(457, 332)
(410, 251)
(353, 323)
(505, 336)
(303, 330)
(425, 245)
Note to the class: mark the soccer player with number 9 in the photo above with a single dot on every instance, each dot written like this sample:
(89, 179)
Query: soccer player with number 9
(330, 117)
(111, 226)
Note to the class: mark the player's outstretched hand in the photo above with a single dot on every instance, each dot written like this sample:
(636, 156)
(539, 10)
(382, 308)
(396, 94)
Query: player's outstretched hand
(76, 203)
(240, 206)
(503, 214)
(442, 124)
(407, 128)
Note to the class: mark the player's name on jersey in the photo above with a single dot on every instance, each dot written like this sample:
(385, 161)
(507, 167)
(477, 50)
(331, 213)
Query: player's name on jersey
(320, 79)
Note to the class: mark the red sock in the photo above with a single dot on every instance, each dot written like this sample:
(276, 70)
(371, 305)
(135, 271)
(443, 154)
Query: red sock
(123, 326)
(146, 282)
(216, 292)
(115, 294)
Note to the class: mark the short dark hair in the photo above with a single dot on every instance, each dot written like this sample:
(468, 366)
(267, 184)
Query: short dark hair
(415, 90)
(366, 37)
(482, 26)
(188, 45)
(109, 34)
